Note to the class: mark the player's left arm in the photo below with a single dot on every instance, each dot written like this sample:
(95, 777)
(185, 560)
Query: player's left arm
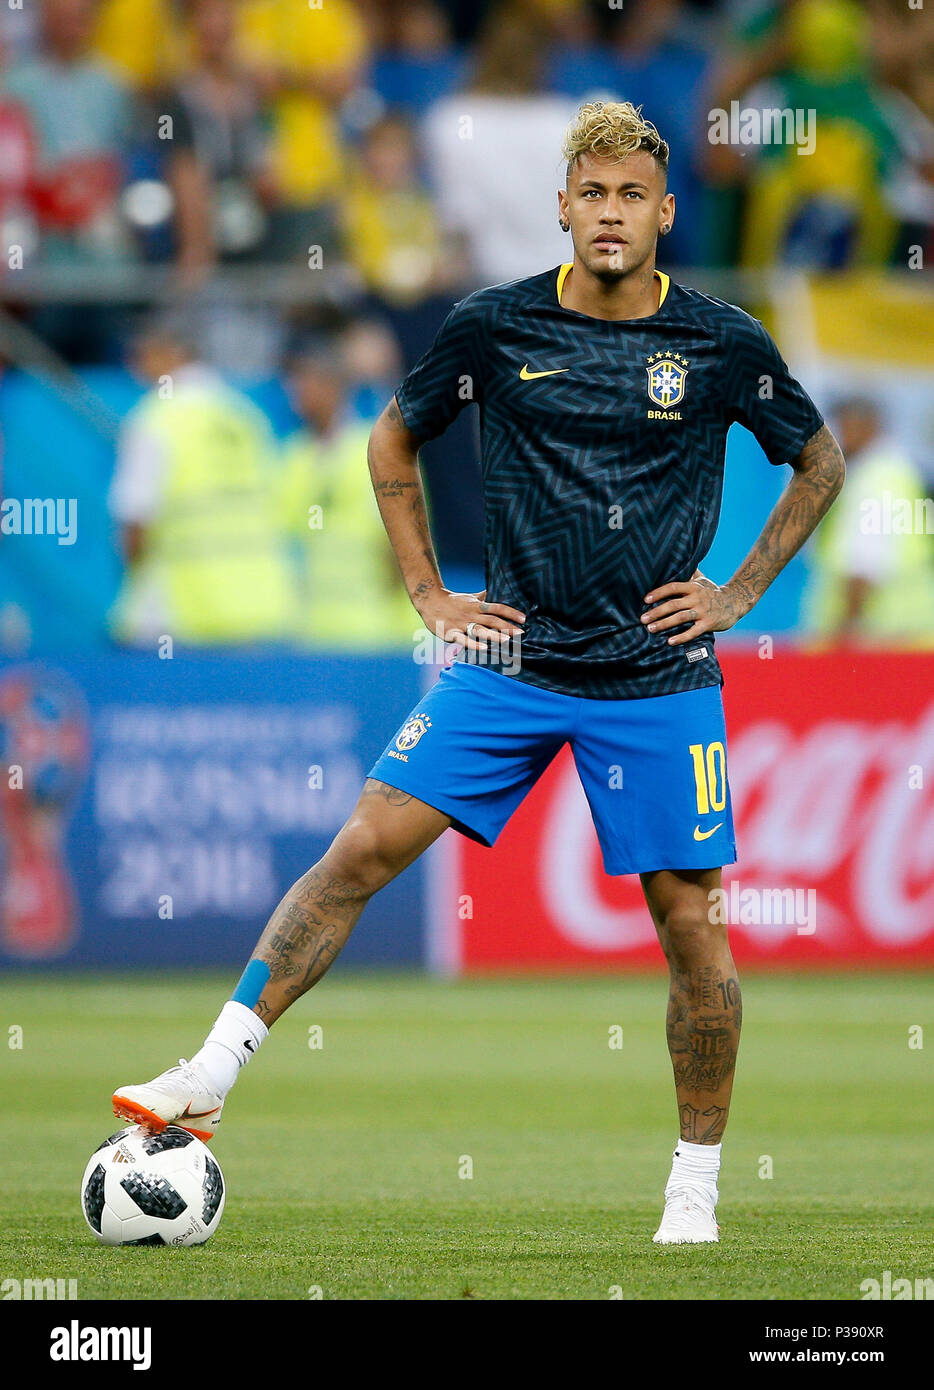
(817, 478)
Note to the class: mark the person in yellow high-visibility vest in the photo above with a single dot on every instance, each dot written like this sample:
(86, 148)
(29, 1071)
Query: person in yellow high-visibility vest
(353, 598)
(872, 576)
(196, 492)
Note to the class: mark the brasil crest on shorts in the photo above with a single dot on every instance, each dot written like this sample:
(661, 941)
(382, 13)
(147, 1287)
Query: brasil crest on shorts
(411, 731)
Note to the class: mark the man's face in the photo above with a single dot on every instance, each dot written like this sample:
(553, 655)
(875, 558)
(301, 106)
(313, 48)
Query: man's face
(213, 24)
(616, 209)
(67, 26)
(857, 426)
(316, 391)
(154, 357)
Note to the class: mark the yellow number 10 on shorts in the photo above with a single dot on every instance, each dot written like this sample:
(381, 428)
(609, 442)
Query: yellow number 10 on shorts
(709, 776)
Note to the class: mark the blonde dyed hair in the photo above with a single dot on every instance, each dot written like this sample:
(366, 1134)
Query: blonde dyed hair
(613, 130)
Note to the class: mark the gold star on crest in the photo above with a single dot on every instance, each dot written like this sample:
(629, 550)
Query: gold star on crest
(668, 356)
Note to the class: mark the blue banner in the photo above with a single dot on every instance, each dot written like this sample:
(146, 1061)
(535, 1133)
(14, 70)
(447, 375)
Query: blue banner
(153, 811)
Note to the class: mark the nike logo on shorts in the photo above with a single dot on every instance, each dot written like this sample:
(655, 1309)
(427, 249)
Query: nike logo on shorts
(706, 834)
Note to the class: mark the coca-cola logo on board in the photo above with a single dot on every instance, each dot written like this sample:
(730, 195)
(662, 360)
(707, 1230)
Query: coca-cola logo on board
(843, 808)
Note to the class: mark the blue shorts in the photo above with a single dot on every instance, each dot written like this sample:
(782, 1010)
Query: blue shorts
(653, 770)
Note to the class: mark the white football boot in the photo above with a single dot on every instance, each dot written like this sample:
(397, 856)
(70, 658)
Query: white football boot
(180, 1096)
(689, 1218)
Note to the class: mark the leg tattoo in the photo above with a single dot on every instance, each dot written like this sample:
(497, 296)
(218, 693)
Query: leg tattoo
(305, 935)
(310, 926)
(705, 1015)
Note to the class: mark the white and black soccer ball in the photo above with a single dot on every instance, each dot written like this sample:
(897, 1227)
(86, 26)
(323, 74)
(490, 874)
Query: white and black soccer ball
(141, 1188)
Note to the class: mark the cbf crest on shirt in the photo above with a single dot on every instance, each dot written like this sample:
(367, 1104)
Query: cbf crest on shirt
(602, 452)
(667, 374)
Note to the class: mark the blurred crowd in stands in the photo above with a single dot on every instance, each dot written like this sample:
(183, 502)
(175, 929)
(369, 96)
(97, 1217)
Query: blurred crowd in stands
(201, 133)
(390, 154)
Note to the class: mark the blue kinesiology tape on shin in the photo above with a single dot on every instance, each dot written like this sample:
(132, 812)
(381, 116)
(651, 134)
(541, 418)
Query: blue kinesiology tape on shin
(252, 983)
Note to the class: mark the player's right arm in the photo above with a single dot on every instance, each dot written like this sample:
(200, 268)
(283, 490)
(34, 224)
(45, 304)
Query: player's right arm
(392, 455)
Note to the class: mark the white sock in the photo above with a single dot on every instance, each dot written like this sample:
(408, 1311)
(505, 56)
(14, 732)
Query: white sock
(230, 1044)
(697, 1166)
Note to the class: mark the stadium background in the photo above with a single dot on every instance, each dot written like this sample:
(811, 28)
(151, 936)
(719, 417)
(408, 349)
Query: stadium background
(297, 193)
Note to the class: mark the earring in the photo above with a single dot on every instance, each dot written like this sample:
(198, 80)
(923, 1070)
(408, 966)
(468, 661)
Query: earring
(565, 226)
(665, 231)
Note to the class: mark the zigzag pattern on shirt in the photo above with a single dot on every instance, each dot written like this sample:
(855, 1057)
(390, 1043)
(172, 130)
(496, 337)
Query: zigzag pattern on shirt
(594, 494)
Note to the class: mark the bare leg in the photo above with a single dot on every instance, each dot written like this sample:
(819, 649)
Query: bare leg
(705, 1010)
(386, 831)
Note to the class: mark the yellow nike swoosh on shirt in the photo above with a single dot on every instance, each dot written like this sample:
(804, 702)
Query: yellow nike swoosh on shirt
(706, 834)
(526, 375)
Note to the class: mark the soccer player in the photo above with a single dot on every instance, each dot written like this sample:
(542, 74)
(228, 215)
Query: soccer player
(606, 392)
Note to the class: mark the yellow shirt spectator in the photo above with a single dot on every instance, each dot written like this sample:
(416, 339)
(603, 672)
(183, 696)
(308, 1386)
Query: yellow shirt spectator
(400, 256)
(140, 39)
(307, 58)
(391, 226)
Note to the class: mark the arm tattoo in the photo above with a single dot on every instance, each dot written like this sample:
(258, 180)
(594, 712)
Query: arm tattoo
(393, 416)
(393, 487)
(818, 477)
(422, 589)
(400, 496)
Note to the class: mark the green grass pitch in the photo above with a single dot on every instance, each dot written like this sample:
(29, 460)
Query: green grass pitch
(344, 1162)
